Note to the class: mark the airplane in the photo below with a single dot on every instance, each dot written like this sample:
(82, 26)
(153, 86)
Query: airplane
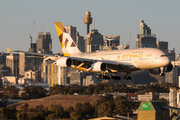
(108, 64)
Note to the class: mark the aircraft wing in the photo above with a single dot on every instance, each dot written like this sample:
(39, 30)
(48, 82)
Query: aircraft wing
(84, 64)
(112, 66)
(36, 55)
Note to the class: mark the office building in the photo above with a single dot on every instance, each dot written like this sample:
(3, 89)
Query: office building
(162, 45)
(93, 41)
(80, 42)
(44, 43)
(33, 47)
(12, 62)
(112, 40)
(3, 68)
(171, 54)
(76, 77)
(144, 38)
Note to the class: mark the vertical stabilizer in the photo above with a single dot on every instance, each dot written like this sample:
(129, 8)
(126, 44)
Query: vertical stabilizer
(67, 44)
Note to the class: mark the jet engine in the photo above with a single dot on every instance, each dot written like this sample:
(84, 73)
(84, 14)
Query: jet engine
(64, 62)
(98, 67)
(157, 71)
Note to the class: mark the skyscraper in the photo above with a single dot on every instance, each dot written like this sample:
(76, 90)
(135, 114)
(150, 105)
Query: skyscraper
(94, 41)
(144, 38)
(44, 43)
(80, 42)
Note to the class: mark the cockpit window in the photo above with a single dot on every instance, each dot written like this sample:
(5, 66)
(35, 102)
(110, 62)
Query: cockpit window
(163, 55)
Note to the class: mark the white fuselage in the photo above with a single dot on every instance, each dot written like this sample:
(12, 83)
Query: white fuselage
(142, 58)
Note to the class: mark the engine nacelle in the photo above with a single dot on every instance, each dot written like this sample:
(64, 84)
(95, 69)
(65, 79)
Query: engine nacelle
(157, 71)
(169, 68)
(64, 62)
(98, 67)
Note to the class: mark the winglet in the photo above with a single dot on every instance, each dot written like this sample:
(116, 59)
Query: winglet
(8, 50)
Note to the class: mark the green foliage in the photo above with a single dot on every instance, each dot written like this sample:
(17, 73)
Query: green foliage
(57, 111)
(33, 92)
(75, 116)
(78, 108)
(10, 92)
(106, 108)
(69, 111)
(40, 107)
(22, 116)
(122, 107)
(134, 117)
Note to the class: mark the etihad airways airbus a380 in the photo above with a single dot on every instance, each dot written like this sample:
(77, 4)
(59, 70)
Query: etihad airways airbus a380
(103, 62)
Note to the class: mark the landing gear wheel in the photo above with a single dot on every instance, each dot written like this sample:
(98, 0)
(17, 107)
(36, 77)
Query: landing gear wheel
(127, 77)
(162, 74)
(101, 76)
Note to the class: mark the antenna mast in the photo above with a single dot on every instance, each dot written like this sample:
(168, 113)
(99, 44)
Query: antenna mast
(32, 30)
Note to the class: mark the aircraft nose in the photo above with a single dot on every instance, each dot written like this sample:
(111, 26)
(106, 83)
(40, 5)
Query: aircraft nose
(166, 61)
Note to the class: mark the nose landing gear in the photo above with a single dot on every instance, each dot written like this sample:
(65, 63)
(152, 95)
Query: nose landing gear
(162, 72)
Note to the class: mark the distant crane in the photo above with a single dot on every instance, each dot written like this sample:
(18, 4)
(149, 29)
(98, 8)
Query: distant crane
(32, 30)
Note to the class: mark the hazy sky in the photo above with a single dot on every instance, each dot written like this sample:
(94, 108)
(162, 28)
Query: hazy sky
(111, 17)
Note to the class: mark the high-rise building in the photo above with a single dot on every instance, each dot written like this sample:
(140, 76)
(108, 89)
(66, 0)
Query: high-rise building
(12, 62)
(71, 31)
(3, 67)
(162, 45)
(112, 40)
(144, 38)
(94, 41)
(44, 43)
(80, 42)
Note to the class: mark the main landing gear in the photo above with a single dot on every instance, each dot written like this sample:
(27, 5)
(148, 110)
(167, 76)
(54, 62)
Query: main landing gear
(127, 77)
(109, 77)
(115, 77)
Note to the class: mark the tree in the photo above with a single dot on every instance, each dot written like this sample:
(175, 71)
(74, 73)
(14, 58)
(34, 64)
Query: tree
(75, 115)
(70, 110)
(106, 108)
(87, 109)
(10, 92)
(78, 108)
(122, 107)
(25, 107)
(40, 107)
(57, 112)
(4, 113)
(22, 116)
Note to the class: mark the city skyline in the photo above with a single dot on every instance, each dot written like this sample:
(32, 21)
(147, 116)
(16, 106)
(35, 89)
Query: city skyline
(110, 18)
